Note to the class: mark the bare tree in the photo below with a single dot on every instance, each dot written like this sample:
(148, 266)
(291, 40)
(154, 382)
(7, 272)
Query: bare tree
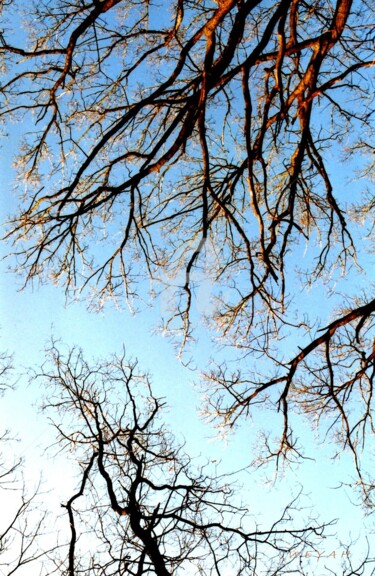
(142, 506)
(20, 539)
(330, 380)
(5, 368)
(159, 133)
(22, 523)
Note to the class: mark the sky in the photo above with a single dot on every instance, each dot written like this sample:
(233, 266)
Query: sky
(28, 320)
(29, 317)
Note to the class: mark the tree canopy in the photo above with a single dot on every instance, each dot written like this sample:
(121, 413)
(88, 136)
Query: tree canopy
(166, 144)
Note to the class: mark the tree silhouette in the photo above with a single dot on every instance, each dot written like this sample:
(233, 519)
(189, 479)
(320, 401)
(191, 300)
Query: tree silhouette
(158, 134)
(142, 505)
(22, 523)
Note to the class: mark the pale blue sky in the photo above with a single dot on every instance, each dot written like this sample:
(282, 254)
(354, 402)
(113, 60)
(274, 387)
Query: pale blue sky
(29, 317)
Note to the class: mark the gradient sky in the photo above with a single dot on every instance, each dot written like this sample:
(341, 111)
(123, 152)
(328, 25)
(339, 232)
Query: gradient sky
(29, 318)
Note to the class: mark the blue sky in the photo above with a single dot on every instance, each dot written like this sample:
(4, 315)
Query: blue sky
(30, 317)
